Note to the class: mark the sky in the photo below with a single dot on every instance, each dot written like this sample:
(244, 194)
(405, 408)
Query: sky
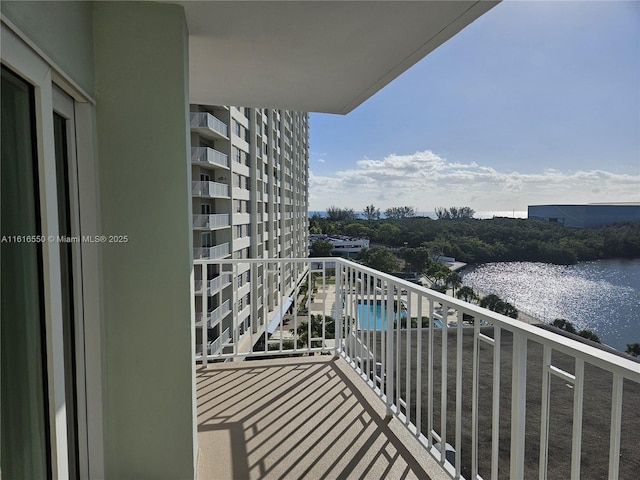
(533, 103)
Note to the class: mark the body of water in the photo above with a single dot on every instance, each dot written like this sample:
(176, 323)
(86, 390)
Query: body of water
(602, 296)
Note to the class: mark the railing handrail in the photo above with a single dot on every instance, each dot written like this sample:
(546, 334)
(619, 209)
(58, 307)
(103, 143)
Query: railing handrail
(593, 355)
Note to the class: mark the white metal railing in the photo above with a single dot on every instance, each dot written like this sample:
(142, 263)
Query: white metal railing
(215, 346)
(461, 378)
(209, 189)
(213, 317)
(206, 120)
(213, 285)
(218, 220)
(218, 251)
(209, 155)
(219, 313)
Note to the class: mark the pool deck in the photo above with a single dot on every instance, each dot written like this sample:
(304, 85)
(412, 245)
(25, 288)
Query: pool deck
(325, 298)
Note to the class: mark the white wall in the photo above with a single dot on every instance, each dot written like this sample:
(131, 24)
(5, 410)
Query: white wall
(141, 57)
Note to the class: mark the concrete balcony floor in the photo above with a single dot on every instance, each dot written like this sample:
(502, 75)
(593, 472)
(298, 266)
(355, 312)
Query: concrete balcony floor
(306, 417)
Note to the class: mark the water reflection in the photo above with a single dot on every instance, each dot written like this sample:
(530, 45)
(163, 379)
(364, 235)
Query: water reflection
(602, 296)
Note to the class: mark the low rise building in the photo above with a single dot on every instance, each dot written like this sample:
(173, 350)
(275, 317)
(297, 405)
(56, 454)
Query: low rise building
(587, 215)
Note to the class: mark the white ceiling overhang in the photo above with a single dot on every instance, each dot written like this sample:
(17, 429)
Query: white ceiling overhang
(321, 56)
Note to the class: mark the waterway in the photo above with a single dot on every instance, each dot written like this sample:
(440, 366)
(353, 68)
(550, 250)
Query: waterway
(602, 296)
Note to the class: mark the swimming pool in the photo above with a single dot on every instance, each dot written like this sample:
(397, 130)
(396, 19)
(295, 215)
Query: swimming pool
(370, 314)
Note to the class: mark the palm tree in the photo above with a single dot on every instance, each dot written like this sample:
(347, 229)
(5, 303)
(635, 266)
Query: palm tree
(633, 349)
(563, 324)
(455, 280)
(467, 294)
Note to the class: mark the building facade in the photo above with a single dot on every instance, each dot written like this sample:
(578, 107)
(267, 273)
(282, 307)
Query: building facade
(587, 215)
(249, 170)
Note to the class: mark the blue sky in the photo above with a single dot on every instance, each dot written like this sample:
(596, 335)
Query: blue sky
(535, 102)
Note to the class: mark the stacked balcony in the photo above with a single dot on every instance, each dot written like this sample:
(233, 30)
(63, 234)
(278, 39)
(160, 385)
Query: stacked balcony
(211, 253)
(209, 126)
(209, 189)
(209, 156)
(211, 222)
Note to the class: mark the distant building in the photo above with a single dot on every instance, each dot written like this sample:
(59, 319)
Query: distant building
(587, 215)
(343, 246)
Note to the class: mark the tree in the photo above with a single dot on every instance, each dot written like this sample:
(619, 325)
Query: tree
(316, 331)
(454, 279)
(357, 230)
(370, 212)
(341, 214)
(400, 212)
(589, 335)
(380, 258)
(467, 294)
(321, 248)
(490, 301)
(454, 213)
(437, 273)
(417, 258)
(387, 233)
(315, 223)
(633, 349)
(509, 310)
(496, 304)
(563, 324)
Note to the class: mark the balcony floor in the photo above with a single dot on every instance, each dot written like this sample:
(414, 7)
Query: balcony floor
(307, 417)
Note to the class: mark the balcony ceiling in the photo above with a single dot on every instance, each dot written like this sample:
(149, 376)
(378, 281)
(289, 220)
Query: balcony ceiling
(312, 55)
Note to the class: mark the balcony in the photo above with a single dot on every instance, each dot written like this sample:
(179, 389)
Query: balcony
(209, 156)
(210, 189)
(214, 285)
(213, 317)
(206, 124)
(486, 396)
(210, 222)
(218, 251)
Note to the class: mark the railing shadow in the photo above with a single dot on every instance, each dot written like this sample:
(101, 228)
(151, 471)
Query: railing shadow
(298, 418)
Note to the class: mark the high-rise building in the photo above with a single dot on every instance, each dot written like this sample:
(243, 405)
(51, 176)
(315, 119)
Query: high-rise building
(249, 170)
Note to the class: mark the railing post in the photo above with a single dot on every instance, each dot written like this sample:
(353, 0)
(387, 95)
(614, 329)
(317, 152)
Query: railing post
(544, 413)
(518, 404)
(389, 381)
(337, 308)
(616, 423)
(205, 336)
(444, 364)
(578, 395)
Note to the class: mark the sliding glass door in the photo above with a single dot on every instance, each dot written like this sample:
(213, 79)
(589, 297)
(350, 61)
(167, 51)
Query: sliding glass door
(25, 422)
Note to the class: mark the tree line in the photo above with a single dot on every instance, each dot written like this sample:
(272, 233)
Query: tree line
(457, 234)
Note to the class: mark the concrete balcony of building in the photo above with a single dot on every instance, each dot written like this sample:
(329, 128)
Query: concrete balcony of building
(209, 189)
(209, 126)
(386, 379)
(209, 156)
(219, 251)
(210, 222)
(214, 346)
(214, 317)
(213, 285)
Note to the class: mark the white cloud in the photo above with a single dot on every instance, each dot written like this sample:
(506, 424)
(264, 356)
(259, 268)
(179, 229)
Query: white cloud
(425, 180)
(321, 160)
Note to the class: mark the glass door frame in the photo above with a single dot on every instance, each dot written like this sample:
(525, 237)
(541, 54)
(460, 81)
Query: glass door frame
(55, 92)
